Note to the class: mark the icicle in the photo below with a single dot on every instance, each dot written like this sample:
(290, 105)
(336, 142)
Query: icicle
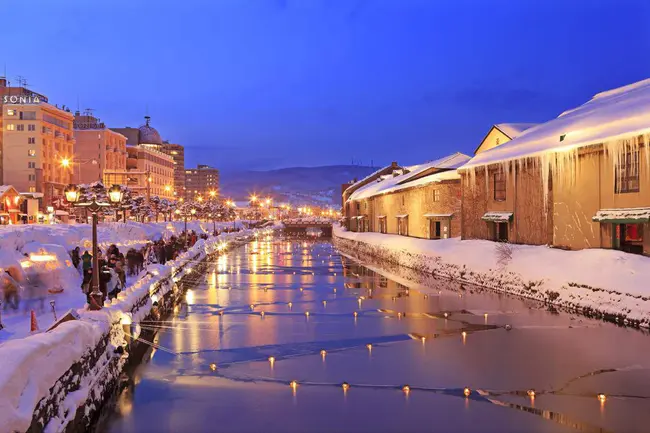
(646, 150)
(487, 184)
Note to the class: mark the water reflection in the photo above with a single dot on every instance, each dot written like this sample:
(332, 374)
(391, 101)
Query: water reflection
(369, 334)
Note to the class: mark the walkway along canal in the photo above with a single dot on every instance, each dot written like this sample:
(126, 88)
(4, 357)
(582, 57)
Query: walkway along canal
(286, 335)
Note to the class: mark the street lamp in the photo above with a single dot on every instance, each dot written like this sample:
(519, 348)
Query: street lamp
(115, 195)
(185, 214)
(72, 194)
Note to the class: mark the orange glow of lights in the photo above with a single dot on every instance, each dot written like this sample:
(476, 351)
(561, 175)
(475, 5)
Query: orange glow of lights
(213, 367)
(293, 384)
(467, 392)
(406, 389)
(345, 386)
(307, 313)
(602, 397)
(531, 393)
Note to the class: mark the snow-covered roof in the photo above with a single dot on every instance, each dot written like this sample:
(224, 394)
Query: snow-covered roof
(6, 188)
(641, 214)
(370, 176)
(438, 215)
(497, 216)
(514, 130)
(412, 178)
(610, 115)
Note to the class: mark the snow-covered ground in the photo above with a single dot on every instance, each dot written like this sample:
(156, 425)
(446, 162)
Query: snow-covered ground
(32, 366)
(596, 281)
(58, 240)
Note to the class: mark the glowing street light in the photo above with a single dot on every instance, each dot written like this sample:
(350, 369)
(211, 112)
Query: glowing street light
(65, 163)
(72, 194)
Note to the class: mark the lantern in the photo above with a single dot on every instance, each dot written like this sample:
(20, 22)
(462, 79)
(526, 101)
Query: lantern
(71, 193)
(115, 194)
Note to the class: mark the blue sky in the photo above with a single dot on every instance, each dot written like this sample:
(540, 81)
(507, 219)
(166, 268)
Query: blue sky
(274, 83)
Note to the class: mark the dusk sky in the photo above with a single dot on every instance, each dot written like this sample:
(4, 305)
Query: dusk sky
(261, 84)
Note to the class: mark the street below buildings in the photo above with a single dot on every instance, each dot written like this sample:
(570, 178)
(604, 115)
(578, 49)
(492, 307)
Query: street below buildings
(370, 351)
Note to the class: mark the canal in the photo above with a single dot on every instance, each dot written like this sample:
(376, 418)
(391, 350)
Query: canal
(374, 353)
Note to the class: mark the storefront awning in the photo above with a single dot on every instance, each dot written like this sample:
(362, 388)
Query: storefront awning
(497, 217)
(438, 215)
(402, 216)
(623, 215)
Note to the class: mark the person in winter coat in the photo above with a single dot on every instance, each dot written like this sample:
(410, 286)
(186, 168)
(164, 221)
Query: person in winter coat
(87, 271)
(119, 270)
(76, 259)
(10, 290)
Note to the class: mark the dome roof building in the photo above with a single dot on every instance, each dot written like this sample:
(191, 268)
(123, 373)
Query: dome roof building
(149, 134)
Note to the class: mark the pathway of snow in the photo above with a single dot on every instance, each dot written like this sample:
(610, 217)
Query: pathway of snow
(19, 239)
(609, 281)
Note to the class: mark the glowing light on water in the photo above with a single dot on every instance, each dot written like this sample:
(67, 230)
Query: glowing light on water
(467, 392)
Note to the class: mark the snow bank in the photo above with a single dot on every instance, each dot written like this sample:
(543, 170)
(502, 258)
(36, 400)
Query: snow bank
(601, 281)
(32, 365)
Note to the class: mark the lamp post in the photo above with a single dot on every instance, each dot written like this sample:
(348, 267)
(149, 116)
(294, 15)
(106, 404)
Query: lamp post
(213, 202)
(72, 194)
(233, 206)
(185, 214)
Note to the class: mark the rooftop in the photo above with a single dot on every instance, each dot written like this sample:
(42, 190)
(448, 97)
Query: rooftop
(417, 175)
(611, 115)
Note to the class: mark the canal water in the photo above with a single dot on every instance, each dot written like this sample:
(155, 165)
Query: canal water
(280, 310)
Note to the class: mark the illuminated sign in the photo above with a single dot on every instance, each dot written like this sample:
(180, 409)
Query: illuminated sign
(21, 99)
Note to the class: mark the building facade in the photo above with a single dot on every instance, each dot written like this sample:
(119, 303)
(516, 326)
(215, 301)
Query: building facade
(351, 209)
(177, 152)
(150, 172)
(14, 95)
(37, 145)
(201, 181)
(577, 181)
(421, 201)
(147, 136)
(100, 153)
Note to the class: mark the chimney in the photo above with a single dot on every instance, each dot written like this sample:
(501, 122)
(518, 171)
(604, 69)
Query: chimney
(393, 164)
(3, 82)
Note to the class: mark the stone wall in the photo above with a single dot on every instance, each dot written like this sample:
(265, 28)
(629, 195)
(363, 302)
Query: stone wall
(609, 305)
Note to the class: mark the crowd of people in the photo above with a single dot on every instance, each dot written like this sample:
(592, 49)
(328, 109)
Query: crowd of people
(114, 265)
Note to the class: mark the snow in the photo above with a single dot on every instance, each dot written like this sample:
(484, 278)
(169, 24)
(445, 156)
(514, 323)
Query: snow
(32, 365)
(59, 240)
(365, 179)
(608, 281)
(514, 130)
(388, 184)
(497, 216)
(641, 214)
(438, 215)
(608, 116)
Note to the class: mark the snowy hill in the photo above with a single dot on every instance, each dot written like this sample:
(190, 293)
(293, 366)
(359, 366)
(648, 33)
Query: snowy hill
(298, 185)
